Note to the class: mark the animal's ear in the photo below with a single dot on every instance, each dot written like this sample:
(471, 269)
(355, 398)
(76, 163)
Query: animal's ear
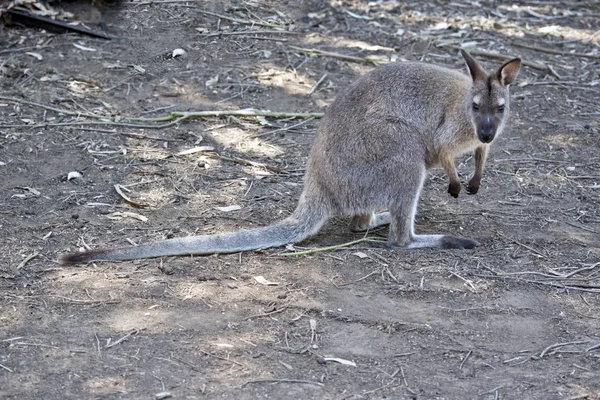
(508, 72)
(476, 71)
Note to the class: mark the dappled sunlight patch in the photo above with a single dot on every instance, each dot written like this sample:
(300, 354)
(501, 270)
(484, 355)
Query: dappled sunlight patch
(107, 385)
(128, 317)
(563, 139)
(293, 82)
(237, 139)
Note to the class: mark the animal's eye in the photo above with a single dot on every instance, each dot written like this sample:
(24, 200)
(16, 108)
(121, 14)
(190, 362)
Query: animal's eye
(475, 107)
(501, 108)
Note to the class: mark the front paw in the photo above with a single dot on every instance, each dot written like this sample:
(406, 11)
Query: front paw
(473, 187)
(454, 189)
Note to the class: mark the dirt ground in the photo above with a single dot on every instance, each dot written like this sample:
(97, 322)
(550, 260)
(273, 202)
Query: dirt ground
(518, 318)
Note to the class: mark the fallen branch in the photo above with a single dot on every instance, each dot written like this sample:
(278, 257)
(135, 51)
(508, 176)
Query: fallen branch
(374, 60)
(172, 119)
(283, 380)
(557, 345)
(483, 53)
(247, 162)
(552, 51)
(238, 20)
(338, 246)
(248, 112)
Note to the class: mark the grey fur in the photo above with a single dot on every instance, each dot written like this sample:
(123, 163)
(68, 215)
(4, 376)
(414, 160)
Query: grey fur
(371, 152)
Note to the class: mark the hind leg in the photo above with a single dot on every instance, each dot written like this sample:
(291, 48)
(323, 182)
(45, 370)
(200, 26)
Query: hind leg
(402, 233)
(364, 222)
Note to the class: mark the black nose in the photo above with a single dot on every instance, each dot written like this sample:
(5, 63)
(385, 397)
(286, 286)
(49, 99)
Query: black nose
(486, 138)
(486, 132)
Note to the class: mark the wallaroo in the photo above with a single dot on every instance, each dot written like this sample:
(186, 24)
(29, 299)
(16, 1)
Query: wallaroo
(371, 153)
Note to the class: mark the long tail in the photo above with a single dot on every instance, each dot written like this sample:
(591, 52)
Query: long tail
(306, 220)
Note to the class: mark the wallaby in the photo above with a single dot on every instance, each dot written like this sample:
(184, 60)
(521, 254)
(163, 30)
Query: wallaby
(371, 153)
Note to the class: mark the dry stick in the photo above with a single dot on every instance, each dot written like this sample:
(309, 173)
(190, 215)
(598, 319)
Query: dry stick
(317, 85)
(368, 60)
(465, 359)
(540, 67)
(175, 115)
(597, 346)
(380, 388)
(248, 112)
(282, 129)
(246, 162)
(240, 21)
(587, 288)
(192, 366)
(552, 51)
(116, 342)
(339, 246)
(208, 35)
(557, 345)
(266, 314)
(6, 368)
(27, 259)
(579, 270)
(221, 358)
(490, 391)
(283, 380)
(58, 110)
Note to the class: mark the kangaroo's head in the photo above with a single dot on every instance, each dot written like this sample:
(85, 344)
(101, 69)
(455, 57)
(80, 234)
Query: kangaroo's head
(488, 103)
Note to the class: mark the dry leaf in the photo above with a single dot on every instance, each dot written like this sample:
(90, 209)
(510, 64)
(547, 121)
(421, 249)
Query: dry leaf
(229, 208)
(212, 82)
(360, 254)
(260, 279)
(119, 190)
(74, 175)
(178, 53)
(193, 150)
(341, 361)
(38, 56)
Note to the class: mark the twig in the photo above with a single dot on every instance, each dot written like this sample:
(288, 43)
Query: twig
(579, 270)
(557, 345)
(266, 314)
(116, 342)
(540, 67)
(27, 259)
(465, 359)
(490, 391)
(594, 347)
(317, 85)
(50, 108)
(283, 380)
(247, 162)
(98, 345)
(248, 112)
(240, 21)
(287, 128)
(583, 288)
(376, 61)
(552, 51)
(339, 246)
(192, 366)
(381, 387)
(35, 344)
(581, 227)
(208, 35)
(6, 368)
(221, 358)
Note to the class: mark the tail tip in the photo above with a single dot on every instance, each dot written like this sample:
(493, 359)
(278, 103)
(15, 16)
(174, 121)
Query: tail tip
(76, 257)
